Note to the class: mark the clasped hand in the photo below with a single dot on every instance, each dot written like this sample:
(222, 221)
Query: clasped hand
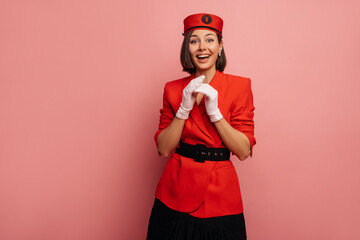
(189, 96)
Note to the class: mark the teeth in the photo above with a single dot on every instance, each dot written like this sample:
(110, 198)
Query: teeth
(202, 56)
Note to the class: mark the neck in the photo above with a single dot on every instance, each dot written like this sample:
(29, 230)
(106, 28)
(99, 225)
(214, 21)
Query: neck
(209, 74)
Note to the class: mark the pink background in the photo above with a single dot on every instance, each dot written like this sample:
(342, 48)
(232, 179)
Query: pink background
(80, 91)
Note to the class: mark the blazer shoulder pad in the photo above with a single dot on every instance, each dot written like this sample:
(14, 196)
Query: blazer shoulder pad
(237, 78)
(177, 84)
(239, 81)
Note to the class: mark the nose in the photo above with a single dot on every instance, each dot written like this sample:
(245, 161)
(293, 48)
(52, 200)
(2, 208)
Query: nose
(201, 45)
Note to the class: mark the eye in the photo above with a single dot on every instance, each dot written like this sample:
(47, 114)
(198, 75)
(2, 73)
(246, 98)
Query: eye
(193, 41)
(210, 40)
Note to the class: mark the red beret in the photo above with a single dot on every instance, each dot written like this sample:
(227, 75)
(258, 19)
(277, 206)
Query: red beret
(203, 21)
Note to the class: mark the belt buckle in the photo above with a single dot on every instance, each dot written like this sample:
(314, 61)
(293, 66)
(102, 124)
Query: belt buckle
(200, 153)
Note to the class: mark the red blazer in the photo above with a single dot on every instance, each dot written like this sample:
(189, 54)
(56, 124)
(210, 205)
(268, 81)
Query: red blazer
(207, 189)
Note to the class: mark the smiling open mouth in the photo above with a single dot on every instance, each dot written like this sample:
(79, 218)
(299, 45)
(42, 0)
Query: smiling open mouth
(202, 56)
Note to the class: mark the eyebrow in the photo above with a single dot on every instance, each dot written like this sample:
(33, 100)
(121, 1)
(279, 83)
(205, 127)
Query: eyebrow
(205, 35)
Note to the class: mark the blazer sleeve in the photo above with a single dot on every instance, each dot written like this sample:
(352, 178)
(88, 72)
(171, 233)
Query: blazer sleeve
(243, 114)
(166, 113)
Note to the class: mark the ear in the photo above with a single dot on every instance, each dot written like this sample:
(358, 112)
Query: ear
(221, 45)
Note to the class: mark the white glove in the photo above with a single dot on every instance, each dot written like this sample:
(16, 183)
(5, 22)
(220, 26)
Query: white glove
(188, 98)
(211, 101)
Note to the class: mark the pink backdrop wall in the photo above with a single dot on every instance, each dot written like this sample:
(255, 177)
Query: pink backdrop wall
(80, 91)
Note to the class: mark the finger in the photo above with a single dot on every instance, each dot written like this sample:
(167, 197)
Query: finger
(195, 83)
(198, 80)
(205, 89)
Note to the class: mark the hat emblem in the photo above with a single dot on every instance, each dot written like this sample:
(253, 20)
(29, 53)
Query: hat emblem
(206, 19)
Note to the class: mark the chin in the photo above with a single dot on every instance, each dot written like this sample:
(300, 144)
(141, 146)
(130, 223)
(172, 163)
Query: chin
(203, 68)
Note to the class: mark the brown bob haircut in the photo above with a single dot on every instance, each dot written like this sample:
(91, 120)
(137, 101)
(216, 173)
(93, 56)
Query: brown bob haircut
(185, 57)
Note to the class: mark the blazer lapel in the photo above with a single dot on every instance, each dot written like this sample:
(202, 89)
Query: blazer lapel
(201, 106)
(195, 115)
(199, 110)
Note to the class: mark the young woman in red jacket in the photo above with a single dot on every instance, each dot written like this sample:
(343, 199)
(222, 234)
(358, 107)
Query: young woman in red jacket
(205, 116)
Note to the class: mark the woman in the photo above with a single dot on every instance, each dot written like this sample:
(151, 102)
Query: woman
(205, 116)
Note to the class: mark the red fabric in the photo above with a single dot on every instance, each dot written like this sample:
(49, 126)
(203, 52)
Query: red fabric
(203, 21)
(211, 188)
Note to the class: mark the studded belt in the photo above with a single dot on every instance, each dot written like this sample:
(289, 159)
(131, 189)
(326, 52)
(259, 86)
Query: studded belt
(200, 152)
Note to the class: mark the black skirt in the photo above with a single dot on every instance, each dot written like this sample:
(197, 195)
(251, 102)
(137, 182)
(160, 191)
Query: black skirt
(168, 224)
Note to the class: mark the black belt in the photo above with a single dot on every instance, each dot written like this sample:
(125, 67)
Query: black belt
(200, 152)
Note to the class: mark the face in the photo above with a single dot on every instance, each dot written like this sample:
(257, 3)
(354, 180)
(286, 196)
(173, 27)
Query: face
(204, 49)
